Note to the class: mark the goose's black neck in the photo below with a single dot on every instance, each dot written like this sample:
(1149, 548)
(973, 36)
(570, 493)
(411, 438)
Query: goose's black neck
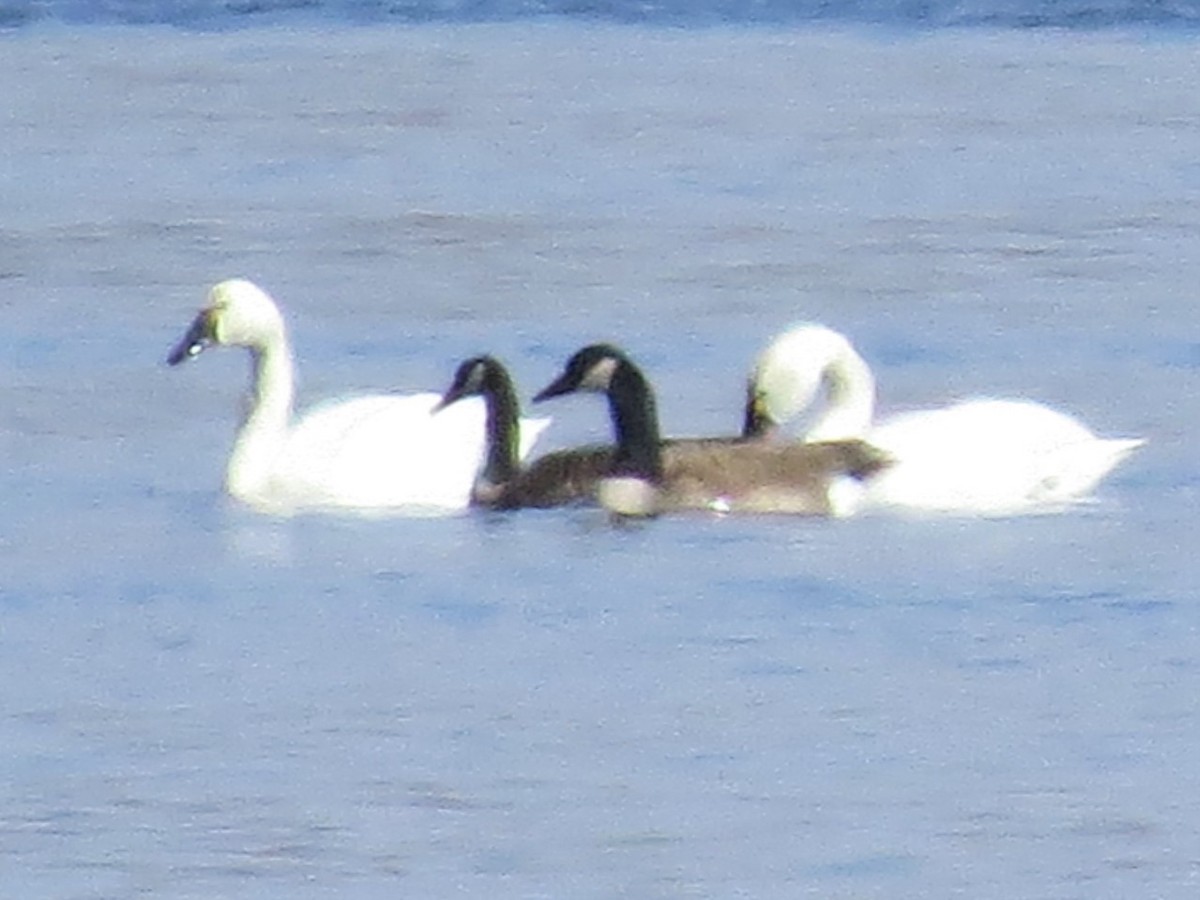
(503, 430)
(635, 421)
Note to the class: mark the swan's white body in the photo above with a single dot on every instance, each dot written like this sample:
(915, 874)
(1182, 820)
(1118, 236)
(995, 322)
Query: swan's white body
(371, 453)
(984, 457)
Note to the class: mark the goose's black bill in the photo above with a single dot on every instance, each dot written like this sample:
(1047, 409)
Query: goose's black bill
(199, 336)
(468, 380)
(565, 383)
(590, 369)
(453, 394)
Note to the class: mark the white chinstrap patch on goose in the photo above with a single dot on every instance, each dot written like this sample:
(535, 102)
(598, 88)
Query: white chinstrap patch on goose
(599, 377)
(377, 452)
(984, 456)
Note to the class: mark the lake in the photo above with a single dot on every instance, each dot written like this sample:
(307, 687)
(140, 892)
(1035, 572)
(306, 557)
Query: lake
(205, 702)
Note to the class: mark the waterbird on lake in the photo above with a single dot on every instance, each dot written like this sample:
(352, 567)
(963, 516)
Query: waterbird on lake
(646, 477)
(381, 451)
(558, 478)
(983, 456)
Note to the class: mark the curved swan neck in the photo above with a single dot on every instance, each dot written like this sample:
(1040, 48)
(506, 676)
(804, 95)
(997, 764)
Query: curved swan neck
(635, 421)
(502, 427)
(268, 415)
(849, 398)
(272, 383)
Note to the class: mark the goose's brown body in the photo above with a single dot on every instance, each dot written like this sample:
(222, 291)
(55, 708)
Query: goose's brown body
(647, 476)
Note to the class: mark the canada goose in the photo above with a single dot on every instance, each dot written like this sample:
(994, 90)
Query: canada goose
(645, 477)
(380, 451)
(557, 478)
(985, 456)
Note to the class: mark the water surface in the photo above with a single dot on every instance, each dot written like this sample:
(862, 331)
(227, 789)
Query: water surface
(202, 702)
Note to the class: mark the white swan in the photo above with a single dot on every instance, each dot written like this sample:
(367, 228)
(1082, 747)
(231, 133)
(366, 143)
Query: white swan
(985, 456)
(374, 452)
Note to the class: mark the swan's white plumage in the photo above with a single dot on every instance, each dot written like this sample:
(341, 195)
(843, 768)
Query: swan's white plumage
(379, 451)
(985, 456)
(375, 452)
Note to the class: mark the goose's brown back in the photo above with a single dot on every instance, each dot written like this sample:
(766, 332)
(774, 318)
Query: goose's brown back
(742, 474)
(763, 476)
(558, 478)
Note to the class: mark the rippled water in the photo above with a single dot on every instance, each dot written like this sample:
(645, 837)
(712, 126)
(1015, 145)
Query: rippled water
(201, 702)
(928, 14)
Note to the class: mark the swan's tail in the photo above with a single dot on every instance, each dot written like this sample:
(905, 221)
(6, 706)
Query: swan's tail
(531, 430)
(1072, 471)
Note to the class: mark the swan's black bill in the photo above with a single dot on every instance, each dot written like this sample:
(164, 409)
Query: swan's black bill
(198, 336)
(756, 423)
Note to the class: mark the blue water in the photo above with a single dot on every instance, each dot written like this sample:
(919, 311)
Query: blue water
(1069, 14)
(202, 702)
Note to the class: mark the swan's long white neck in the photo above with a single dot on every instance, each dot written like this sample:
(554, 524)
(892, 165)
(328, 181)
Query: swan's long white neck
(813, 364)
(267, 418)
(849, 398)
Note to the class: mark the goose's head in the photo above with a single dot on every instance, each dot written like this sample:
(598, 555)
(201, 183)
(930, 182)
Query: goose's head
(800, 365)
(238, 313)
(631, 486)
(471, 378)
(590, 369)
